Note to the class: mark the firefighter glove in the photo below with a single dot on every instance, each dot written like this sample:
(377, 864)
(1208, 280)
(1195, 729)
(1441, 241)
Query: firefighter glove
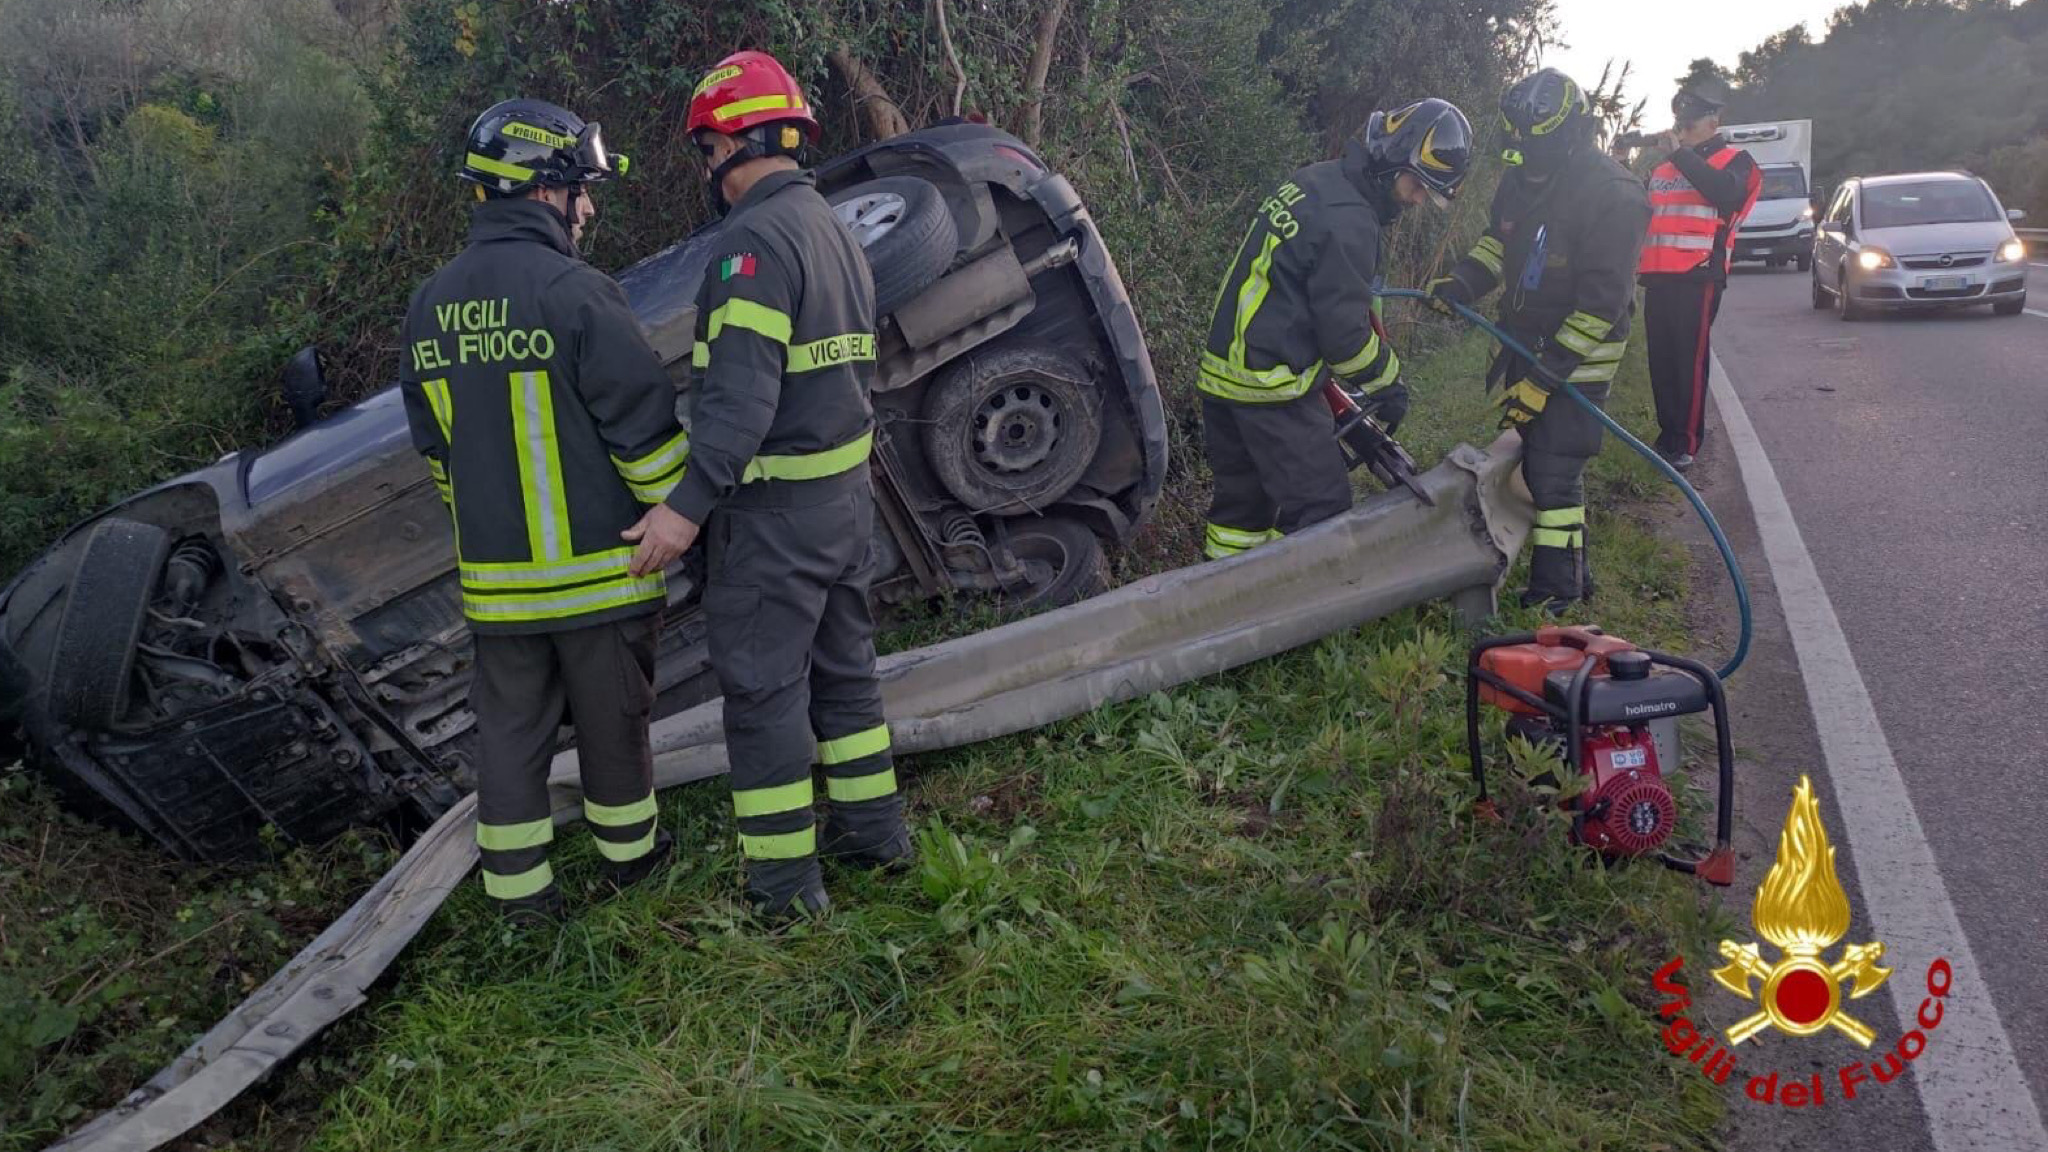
(1447, 290)
(1522, 402)
(1388, 405)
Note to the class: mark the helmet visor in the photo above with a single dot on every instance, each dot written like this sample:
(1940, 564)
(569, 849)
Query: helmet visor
(591, 157)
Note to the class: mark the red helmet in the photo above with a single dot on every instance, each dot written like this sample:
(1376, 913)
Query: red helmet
(746, 90)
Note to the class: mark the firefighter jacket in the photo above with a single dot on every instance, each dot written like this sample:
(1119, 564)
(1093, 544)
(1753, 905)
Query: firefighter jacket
(1298, 297)
(785, 350)
(1698, 198)
(1564, 250)
(546, 421)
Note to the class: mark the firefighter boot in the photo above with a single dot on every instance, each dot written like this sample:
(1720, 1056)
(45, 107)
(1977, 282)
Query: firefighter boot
(1557, 579)
(783, 890)
(624, 876)
(543, 909)
(869, 834)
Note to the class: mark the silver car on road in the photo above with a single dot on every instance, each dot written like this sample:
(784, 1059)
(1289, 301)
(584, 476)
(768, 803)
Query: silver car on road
(1921, 240)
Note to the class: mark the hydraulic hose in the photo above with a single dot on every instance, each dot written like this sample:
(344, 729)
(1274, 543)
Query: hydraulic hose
(1698, 505)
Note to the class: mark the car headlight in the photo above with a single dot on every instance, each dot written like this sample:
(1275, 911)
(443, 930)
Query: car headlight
(1871, 259)
(2011, 250)
(1806, 213)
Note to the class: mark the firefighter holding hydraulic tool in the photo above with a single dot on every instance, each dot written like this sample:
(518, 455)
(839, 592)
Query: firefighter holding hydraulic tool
(1565, 230)
(1297, 302)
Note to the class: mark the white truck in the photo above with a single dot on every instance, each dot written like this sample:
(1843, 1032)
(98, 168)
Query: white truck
(1779, 229)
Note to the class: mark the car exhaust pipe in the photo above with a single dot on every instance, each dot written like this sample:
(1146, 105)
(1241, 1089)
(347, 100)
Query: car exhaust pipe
(1390, 552)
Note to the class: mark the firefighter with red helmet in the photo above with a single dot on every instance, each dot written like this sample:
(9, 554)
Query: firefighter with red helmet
(1297, 303)
(777, 485)
(548, 425)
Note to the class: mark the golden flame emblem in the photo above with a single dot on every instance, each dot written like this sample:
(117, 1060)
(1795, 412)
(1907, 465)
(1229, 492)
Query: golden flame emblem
(1802, 909)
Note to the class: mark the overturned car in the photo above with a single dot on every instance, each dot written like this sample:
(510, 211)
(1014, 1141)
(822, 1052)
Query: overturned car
(277, 641)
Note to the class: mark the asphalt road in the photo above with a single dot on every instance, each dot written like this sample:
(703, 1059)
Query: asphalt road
(1913, 455)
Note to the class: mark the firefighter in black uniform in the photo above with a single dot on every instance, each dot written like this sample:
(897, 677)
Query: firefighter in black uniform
(547, 423)
(1297, 302)
(1564, 231)
(778, 481)
(1699, 195)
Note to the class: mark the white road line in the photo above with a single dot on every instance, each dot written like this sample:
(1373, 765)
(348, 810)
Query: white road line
(1970, 1083)
(2035, 312)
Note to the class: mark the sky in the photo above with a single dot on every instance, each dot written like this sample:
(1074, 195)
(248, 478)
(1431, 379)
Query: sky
(1661, 38)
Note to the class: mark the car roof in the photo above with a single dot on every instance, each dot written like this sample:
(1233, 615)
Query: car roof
(1911, 178)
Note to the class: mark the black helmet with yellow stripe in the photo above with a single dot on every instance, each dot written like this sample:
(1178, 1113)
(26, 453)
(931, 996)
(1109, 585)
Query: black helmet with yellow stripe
(1547, 118)
(517, 145)
(1429, 139)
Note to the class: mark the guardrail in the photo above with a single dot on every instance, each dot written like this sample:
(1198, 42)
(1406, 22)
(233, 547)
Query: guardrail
(2037, 242)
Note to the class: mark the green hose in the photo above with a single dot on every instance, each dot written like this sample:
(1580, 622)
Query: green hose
(1670, 473)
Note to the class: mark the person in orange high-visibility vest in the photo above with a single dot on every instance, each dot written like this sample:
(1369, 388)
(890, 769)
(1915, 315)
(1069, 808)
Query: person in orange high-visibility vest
(1698, 197)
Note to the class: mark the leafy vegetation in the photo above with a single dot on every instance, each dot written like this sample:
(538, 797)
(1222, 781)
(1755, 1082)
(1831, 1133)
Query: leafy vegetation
(1902, 85)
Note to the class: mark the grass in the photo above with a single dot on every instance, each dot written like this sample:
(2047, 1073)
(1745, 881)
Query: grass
(1251, 913)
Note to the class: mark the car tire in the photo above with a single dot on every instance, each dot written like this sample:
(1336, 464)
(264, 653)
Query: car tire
(1011, 428)
(1846, 308)
(1805, 263)
(1821, 299)
(906, 231)
(2010, 307)
(93, 662)
(1073, 554)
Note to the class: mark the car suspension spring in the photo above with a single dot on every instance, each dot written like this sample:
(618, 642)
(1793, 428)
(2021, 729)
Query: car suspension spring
(192, 566)
(960, 529)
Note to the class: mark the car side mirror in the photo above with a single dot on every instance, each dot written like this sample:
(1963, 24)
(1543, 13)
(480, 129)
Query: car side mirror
(2015, 214)
(304, 386)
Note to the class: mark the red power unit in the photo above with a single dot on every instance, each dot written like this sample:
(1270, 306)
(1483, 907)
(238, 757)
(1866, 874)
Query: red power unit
(1591, 697)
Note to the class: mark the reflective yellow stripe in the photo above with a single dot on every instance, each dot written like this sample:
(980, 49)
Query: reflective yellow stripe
(749, 315)
(854, 789)
(519, 885)
(540, 466)
(769, 801)
(1237, 537)
(443, 405)
(497, 167)
(629, 851)
(520, 574)
(1366, 356)
(1575, 340)
(655, 464)
(1488, 253)
(740, 108)
(1251, 295)
(1561, 517)
(866, 742)
(558, 605)
(1556, 537)
(537, 135)
(1219, 378)
(814, 465)
(1590, 324)
(832, 350)
(782, 846)
(513, 837)
(700, 355)
(1591, 373)
(620, 815)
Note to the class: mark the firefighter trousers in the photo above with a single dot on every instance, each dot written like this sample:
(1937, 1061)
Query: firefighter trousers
(1278, 469)
(602, 677)
(1679, 316)
(1555, 449)
(792, 642)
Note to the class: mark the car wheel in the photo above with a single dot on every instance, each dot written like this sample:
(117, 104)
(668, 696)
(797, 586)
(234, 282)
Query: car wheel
(1010, 429)
(2010, 307)
(1805, 263)
(906, 230)
(1063, 557)
(1845, 307)
(1821, 299)
(93, 662)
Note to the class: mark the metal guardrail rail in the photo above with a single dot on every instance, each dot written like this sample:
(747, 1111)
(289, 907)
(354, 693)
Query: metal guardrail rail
(1389, 553)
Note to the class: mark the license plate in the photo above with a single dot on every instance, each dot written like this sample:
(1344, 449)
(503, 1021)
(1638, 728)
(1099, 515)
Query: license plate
(1944, 283)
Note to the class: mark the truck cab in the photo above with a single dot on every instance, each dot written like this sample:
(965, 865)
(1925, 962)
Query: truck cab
(1779, 228)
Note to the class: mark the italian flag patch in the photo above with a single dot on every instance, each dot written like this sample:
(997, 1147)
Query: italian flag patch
(740, 265)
